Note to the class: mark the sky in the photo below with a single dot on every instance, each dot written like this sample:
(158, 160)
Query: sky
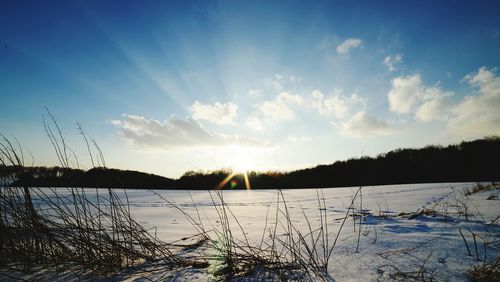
(167, 87)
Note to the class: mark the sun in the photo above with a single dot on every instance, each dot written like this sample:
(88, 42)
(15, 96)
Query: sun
(243, 166)
(244, 160)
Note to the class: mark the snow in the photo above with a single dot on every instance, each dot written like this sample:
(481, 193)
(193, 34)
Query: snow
(401, 238)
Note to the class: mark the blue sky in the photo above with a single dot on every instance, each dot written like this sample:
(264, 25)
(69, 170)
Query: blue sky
(171, 86)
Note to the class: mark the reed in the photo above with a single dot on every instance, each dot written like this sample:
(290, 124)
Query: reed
(65, 226)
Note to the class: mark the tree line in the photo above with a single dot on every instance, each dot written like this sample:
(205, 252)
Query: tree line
(471, 161)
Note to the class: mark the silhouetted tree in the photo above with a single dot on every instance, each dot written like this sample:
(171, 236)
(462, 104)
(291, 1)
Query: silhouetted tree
(477, 160)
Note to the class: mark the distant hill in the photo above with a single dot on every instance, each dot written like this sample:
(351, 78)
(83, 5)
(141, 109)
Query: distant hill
(477, 160)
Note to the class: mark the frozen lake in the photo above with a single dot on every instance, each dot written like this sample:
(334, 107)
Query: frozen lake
(412, 230)
(251, 206)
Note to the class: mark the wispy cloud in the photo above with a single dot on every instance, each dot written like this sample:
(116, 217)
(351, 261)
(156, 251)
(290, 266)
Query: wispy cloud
(255, 93)
(344, 47)
(281, 82)
(175, 133)
(218, 113)
(299, 139)
(254, 123)
(277, 82)
(392, 61)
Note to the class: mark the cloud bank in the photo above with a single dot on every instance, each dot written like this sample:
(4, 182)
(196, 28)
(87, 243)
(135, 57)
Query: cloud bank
(175, 133)
(475, 115)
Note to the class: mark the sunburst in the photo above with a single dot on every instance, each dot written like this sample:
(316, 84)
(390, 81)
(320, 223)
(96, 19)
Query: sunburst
(243, 161)
(231, 176)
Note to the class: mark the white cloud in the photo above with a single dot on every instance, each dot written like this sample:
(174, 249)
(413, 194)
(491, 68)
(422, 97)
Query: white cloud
(299, 139)
(279, 108)
(254, 123)
(475, 115)
(391, 62)
(433, 109)
(478, 115)
(218, 113)
(175, 133)
(346, 46)
(283, 107)
(365, 125)
(409, 94)
(335, 104)
(434, 104)
(404, 93)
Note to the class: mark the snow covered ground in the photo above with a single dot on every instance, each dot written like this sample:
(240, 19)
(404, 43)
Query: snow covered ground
(408, 232)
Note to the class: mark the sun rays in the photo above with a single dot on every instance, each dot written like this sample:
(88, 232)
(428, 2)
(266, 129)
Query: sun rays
(243, 162)
(234, 183)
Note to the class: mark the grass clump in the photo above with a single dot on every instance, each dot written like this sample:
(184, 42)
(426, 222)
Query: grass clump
(70, 227)
(486, 272)
(479, 187)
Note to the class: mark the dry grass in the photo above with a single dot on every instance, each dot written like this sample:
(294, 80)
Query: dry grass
(486, 272)
(479, 187)
(72, 228)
